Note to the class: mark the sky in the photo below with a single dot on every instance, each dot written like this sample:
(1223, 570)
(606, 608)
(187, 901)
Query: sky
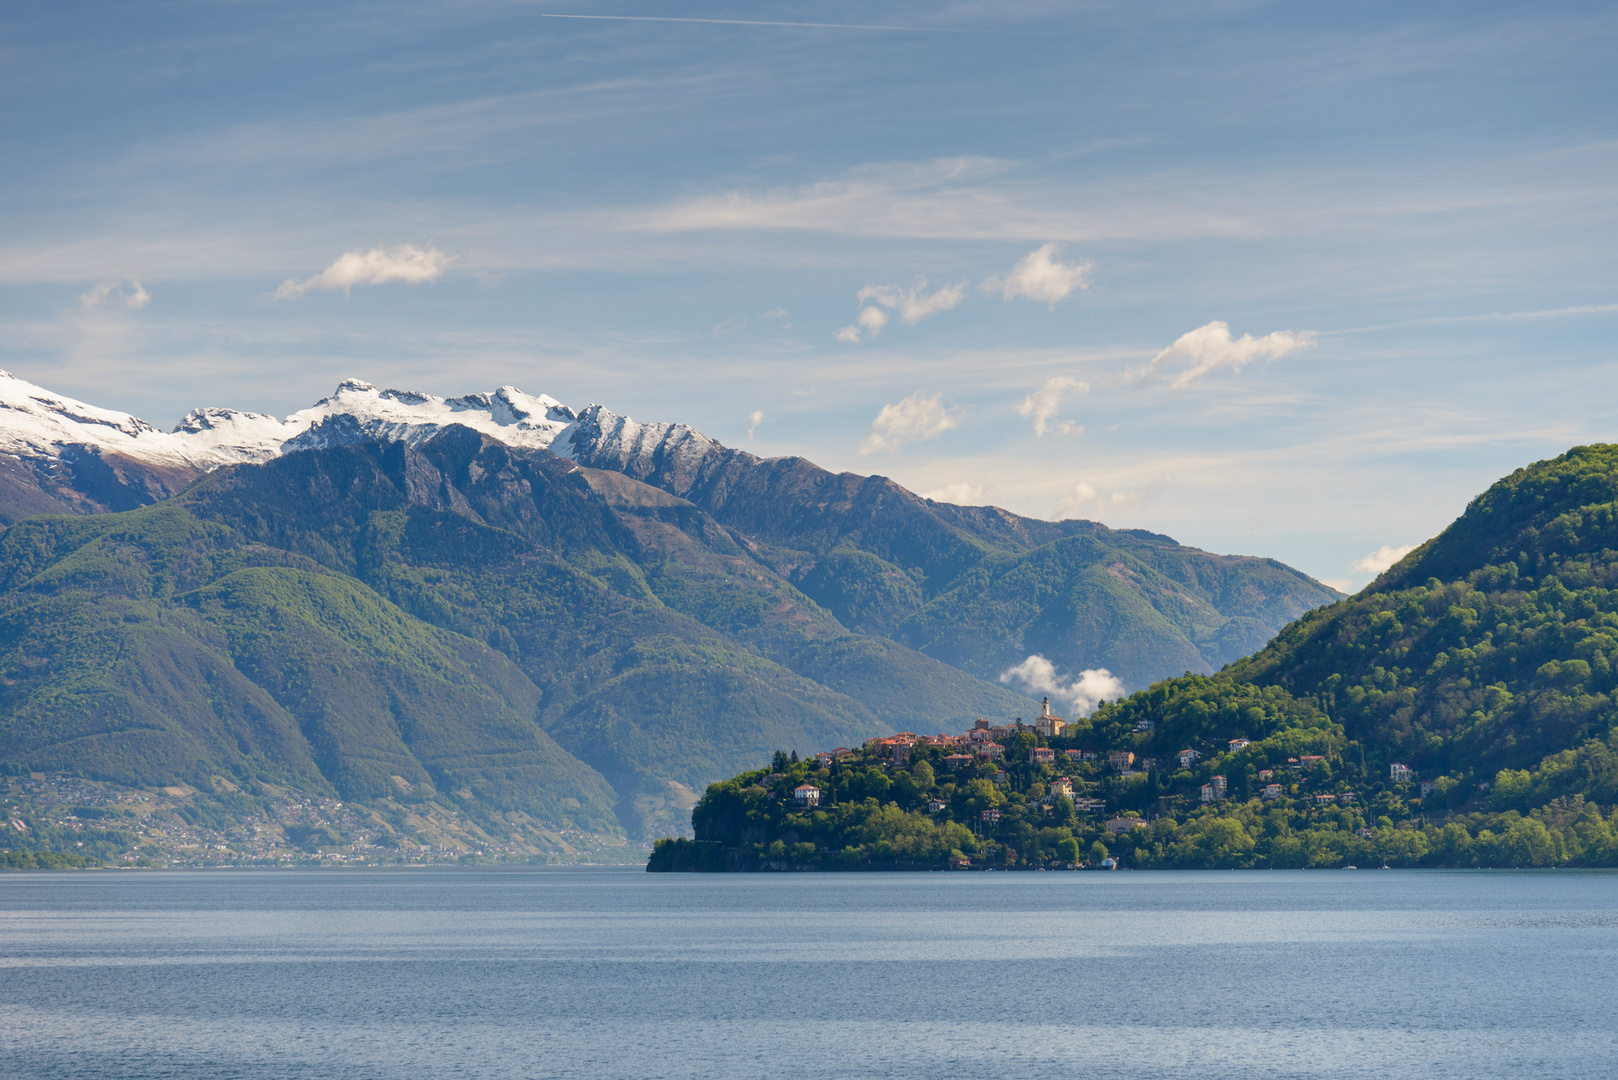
(1292, 280)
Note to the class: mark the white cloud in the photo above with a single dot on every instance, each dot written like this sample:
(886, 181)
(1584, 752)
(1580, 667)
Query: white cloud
(868, 325)
(1075, 500)
(1342, 585)
(133, 296)
(914, 304)
(1210, 348)
(1380, 559)
(379, 266)
(1042, 405)
(1040, 278)
(961, 494)
(754, 419)
(1037, 675)
(916, 418)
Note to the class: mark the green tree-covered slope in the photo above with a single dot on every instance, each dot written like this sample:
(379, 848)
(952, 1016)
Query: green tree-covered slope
(1482, 663)
(661, 650)
(459, 615)
(152, 648)
(1488, 647)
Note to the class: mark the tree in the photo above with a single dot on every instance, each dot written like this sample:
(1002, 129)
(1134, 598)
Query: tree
(1068, 850)
(1098, 852)
(1526, 843)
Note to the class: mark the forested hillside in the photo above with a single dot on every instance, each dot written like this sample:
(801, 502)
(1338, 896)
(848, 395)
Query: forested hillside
(1458, 712)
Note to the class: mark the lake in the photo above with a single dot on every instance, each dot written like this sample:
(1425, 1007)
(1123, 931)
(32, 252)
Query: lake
(613, 973)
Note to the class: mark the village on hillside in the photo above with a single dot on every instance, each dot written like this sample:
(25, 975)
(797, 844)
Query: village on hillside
(1047, 795)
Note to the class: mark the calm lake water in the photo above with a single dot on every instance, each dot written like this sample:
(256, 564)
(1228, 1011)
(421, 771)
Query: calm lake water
(603, 974)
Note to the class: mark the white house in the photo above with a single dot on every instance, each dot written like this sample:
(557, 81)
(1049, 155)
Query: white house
(1400, 774)
(806, 795)
(1189, 758)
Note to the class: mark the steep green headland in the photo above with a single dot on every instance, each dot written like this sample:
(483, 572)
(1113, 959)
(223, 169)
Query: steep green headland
(1482, 664)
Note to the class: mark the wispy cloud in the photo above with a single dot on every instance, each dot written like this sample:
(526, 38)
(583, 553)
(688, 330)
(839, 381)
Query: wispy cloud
(960, 493)
(1043, 404)
(915, 419)
(754, 419)
(1381, 559)
(1083, 494)
(911, 305)
(916, 303)
(1210, 348)
(776, 23)
(942, 197)
(868, 325)
(1037, 675)
(407, 263)
(132, 295)
(1038, 276)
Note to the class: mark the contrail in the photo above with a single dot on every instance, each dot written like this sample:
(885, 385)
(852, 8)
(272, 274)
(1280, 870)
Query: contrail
(760, 22)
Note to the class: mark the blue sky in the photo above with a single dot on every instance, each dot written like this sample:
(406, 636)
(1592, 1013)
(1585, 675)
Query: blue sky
(1295, 280)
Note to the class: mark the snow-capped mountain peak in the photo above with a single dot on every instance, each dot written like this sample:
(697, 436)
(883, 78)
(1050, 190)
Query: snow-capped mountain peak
(34, 422)
(358, 410)
(38, 424)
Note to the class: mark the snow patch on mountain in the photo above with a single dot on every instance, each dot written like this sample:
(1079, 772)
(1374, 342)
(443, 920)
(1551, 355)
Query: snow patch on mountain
(359, 411)
(601, 439)
(36, 423)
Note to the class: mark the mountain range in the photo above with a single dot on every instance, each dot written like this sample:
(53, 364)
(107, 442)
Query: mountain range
(558, 621)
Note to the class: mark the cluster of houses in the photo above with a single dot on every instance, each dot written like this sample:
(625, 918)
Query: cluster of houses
(987, 742)
(983, 742)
